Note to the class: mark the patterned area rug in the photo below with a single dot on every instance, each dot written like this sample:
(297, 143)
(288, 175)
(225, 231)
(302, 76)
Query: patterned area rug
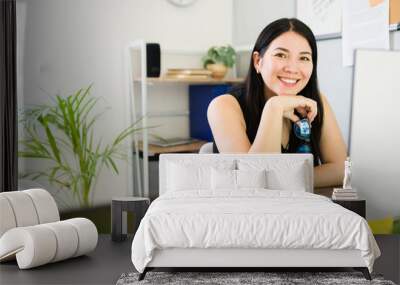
(229, 278)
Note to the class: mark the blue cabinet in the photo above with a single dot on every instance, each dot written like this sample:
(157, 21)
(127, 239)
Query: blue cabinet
(199, 98)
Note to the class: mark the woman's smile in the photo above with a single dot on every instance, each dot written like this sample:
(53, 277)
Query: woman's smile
(288, 82)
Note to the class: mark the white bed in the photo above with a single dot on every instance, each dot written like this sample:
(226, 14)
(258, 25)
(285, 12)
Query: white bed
(202, 220)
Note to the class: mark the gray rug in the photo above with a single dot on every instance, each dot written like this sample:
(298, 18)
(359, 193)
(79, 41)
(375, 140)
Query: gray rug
(229, 278)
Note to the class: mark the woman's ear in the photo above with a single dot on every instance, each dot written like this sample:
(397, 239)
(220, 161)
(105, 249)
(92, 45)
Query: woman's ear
(257, 61)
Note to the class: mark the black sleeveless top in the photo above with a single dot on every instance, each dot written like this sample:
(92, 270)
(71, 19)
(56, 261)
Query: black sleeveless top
(251, 127)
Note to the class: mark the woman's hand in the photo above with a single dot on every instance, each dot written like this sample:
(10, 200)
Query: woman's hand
(288, 103)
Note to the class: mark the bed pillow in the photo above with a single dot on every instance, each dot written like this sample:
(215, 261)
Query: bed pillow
(189, 175)
(280, 174)
(251, 178)
(293, 180)
(237, 179)
(223, 179)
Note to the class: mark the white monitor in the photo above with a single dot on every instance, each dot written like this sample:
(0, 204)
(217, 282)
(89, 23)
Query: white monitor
(375, 131)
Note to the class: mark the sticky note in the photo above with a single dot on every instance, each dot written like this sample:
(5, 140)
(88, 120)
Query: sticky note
(373, 3)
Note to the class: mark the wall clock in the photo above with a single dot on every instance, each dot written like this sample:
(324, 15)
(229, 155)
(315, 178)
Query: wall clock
(182, 3)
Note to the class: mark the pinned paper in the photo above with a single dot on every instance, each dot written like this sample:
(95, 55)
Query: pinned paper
(364, 27)
(322, 16)
(373, 3)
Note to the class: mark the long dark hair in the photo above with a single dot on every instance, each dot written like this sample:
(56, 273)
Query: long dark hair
(254, 84)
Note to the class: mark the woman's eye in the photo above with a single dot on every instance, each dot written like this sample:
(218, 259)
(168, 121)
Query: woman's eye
(281, 55)
(305, 58)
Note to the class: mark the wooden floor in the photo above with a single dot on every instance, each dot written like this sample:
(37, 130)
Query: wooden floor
(111, 259)
(103, 266)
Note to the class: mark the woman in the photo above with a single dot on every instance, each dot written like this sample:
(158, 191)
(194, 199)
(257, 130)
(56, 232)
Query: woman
(281, 88)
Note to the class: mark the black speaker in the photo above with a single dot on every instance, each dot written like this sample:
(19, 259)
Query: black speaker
(153, 59)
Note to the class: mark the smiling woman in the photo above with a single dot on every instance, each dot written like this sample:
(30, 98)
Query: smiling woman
(281, 93)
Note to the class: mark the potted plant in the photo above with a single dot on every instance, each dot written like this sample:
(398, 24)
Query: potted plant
(218, 59)
(61, 133)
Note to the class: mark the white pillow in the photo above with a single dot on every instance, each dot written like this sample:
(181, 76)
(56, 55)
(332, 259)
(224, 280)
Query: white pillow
(251, 178)
(237, 179)
(187, 175)
(181, 177)
(281, 174)
(223, 179)
(293, 180)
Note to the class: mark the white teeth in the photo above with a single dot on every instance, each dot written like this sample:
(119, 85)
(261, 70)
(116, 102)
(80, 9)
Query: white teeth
(287, 80)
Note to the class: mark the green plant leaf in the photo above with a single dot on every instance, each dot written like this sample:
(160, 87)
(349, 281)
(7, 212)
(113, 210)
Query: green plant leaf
(50, 138)
(220, 54)
(114, 166)
(27, 154)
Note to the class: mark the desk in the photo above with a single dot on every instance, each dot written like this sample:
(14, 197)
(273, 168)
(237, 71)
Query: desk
(155, 150)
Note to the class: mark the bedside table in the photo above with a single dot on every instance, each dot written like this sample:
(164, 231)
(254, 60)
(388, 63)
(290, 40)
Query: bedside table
(357, 206)
(137, 205)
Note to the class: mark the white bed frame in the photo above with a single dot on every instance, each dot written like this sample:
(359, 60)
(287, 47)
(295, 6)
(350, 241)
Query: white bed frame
(234, 257)
(249, 257)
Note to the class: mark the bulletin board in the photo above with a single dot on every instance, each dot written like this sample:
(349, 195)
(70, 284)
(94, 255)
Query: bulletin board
(324, 17)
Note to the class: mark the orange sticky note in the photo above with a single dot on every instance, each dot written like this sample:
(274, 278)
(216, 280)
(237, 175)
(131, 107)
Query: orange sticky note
(394, 16)
(373, 3)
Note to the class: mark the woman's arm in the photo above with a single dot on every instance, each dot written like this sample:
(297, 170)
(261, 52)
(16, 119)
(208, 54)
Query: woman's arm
(333, 151)
(228, 126)
(269, 134)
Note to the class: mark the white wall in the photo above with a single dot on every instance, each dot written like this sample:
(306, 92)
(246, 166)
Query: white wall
(69, 44)
(251, 16)
(196, 27)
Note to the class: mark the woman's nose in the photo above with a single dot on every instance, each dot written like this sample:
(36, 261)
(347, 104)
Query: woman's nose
(291, 66)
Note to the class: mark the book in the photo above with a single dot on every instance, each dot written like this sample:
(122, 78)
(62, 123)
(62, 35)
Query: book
(171, 141)
(344, 194)
(344, 190)
(344, 198)
(186, 76)
(188, 71)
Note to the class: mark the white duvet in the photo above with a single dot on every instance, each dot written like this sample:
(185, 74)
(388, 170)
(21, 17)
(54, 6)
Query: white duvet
(253, 218)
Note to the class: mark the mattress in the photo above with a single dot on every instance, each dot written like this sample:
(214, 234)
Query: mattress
(251, 219)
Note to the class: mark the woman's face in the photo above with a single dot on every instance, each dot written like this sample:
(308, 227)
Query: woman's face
(286, 65)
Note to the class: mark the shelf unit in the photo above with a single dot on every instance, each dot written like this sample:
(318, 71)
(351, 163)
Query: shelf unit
(163, 79)
(142, 182)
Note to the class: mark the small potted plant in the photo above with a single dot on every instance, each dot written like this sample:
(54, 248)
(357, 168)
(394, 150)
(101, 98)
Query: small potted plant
(218, 59)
